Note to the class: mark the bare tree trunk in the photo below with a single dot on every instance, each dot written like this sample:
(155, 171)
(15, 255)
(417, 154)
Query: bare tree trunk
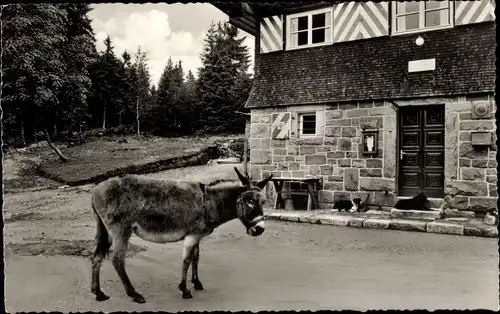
(120, 118)
(58, 152)
(80, 134)
(104, 117)
(54, 134)
(23, 136)
(36, 133)
(137, 117)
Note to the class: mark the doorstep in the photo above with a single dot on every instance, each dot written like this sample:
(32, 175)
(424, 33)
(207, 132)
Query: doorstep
(466, 227)
(417, 214)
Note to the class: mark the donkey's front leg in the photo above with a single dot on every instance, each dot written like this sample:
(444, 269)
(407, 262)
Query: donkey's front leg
(195, 279)
(190, 242)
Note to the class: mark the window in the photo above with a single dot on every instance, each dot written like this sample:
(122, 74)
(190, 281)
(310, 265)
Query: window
(309, 29)
(307, 124)
(417, 16)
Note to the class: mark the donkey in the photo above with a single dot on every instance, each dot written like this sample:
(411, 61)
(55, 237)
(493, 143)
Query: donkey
(164, 211)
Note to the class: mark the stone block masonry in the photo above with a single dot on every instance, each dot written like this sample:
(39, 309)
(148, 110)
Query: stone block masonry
(471, 172)
(335, 152)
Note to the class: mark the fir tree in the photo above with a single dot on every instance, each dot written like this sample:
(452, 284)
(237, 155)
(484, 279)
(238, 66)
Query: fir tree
(169, 107)
(188, 102)
(106, 84)
(79, 54)
(143, 100)
(222, 80)
(129, 90)
(33, 64)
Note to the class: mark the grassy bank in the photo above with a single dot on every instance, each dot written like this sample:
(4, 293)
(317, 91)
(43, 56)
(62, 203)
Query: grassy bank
(103, 157)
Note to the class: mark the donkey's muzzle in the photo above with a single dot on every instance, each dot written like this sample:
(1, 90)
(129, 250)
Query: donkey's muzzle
(256, 227)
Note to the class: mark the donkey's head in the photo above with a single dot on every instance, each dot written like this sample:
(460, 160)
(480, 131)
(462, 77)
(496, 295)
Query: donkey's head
(250, 204)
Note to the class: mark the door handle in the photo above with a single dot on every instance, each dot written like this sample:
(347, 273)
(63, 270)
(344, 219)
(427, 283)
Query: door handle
(401, 153)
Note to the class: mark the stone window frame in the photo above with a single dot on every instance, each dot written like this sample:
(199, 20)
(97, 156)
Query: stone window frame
(300, 116)
(309, 14)
(421, 12)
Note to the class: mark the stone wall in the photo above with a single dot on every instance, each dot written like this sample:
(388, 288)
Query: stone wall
(335, 153)
(472, 173)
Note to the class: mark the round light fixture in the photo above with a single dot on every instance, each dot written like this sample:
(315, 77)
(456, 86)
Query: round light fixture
(419, 41)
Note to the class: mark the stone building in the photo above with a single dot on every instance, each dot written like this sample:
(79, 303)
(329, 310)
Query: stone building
(416, 78)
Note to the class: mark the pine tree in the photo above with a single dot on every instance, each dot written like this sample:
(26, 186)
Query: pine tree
(106, 85)
(190, 79)
(176, 97)
(164, 87)
(188, 101)
(129, 90)
(242, 80)
(33, 64)
(79, 54)
(223, 80)
(168, 111)
(143, 86)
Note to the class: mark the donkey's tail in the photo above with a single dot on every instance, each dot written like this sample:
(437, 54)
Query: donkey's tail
(102, 238)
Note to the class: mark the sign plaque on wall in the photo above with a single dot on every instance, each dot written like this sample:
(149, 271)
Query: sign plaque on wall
(369, 142)
(422, 65)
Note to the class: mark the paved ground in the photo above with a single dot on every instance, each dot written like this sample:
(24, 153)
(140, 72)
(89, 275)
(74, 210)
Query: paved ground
(291, 266)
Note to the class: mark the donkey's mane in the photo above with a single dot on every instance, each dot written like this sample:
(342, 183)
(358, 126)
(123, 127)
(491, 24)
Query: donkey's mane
(223, 183)
(218, 181)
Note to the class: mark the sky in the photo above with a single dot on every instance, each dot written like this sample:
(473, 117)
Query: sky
(162, 30)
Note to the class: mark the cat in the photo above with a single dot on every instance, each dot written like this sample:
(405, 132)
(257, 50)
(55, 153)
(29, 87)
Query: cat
(419, 202)
(348, 205)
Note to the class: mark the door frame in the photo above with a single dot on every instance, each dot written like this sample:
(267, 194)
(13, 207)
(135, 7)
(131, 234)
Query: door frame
(398, 142)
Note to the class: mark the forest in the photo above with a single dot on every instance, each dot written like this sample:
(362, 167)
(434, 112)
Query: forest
(56, 85)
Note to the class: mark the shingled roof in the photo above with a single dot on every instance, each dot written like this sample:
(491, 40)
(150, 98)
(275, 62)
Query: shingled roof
(377, 69)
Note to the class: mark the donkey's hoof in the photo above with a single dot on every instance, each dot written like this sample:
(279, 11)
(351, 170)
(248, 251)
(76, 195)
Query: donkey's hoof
(101, 297)
(198, 286)
(137, 297)
(186, 294)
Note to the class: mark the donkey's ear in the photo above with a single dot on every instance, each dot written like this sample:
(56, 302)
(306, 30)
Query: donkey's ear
(243, 180)
(262, 184)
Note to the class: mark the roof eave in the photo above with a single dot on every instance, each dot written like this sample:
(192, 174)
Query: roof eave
(241, 15)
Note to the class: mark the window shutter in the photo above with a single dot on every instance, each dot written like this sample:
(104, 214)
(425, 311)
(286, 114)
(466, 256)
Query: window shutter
(469, 12)
(360, 20)
(281, 125)
(271, 34)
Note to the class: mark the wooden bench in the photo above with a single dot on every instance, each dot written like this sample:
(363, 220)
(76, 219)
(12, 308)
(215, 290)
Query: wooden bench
(311, 192)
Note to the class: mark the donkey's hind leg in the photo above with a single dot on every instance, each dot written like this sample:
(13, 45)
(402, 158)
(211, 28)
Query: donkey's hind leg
(102, 246)
(194, 268)
(190, 242)
(121, 237)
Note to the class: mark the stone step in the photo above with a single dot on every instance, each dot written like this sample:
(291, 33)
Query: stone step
(434, 203)
(458, 213)
(417, 214)
(377, 213)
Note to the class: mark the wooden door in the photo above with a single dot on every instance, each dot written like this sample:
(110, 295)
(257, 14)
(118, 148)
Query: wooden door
(421, 150)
